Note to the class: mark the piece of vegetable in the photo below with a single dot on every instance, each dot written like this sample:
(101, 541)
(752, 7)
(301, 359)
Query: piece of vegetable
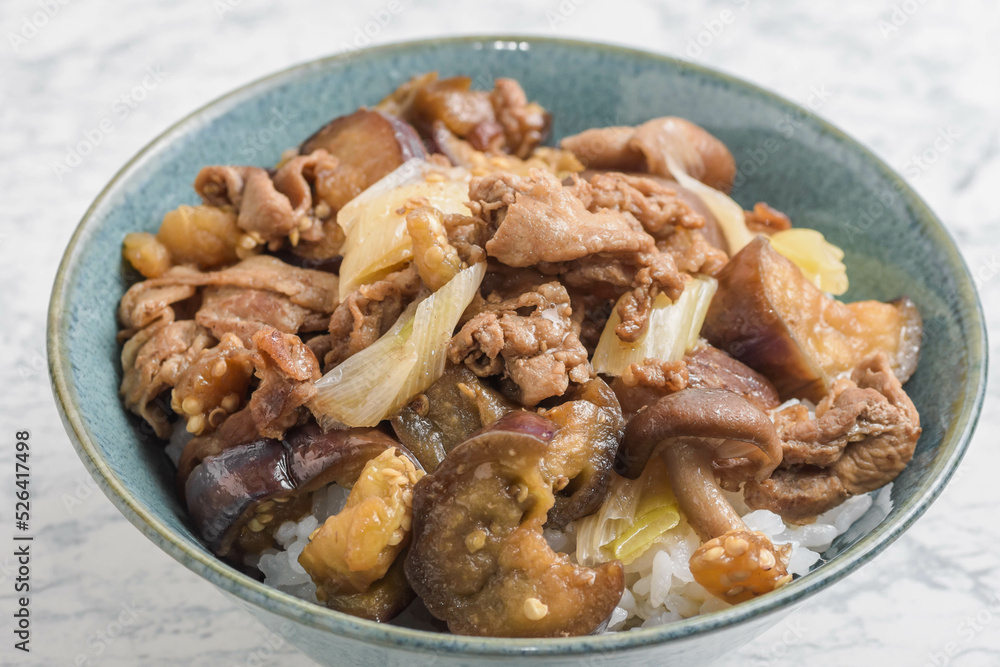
(226, 492)
(447, 413)
(770, 317)
(374, 222)
(727, 213)
(356, 547)
(372, 384)
(673, 330)
(368, 145)
(478, 558)
(819, 260)
(691, 430)
(146, 254)
(580, 456)
(634, 516)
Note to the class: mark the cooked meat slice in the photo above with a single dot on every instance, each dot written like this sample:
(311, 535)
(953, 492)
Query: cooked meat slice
(153, 360)
(531, 339)
(646, 148)
(148, 301)
(658, 208)
(798, 493)
(766, 220)
(863, 436)
(287, 369)
(368, 312)
(260, 208)
(315, 290)
(243, 311)
(693, 253)
(702, 155)
(525, 124)
(296, 179)
(666, 376)
(536, 221)
(606, 148)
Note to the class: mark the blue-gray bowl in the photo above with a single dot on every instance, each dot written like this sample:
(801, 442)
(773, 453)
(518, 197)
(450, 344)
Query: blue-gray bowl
(787, 156)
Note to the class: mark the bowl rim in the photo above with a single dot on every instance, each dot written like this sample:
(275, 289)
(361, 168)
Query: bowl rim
(954, 442)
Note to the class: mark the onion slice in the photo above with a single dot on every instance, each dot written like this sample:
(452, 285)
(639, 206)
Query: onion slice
(673, 330)
(376, 241)
(372, 384)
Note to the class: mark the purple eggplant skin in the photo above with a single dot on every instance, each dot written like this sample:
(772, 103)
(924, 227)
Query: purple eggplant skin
(520, 422)
(345, 136)
(224, 491)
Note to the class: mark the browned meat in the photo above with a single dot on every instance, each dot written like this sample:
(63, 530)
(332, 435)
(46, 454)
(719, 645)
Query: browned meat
(766, 220)
(260, 208)
(531, 339)
(148, 301)
(704, 368)
(702, 155)
(501, 120)
(658, 208)
(863, 436)
(314, 290)
(243, 311)
(536, 221)
(525, 124)
(287, 369)
(153, 360)
(710, 368)
(693, 253)
(646, 147)
(664, 376)
(368, 312)
(606, 148)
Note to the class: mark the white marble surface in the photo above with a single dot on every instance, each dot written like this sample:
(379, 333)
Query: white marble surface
(104, 595)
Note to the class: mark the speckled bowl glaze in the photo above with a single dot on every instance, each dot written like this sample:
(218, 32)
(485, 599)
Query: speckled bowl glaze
(787, 157)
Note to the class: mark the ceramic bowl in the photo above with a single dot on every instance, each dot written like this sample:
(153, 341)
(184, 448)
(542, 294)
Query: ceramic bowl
(787, 157)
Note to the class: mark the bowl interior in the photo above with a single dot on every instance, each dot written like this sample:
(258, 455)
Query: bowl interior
(788, 158)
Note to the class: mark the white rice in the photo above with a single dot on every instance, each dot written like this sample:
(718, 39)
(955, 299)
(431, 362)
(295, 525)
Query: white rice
(280, 567)
(660, 588)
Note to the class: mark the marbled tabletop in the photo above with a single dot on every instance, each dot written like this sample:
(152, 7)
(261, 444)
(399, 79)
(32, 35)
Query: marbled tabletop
(895, 74)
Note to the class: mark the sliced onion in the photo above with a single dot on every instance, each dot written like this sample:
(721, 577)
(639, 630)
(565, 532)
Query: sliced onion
(372, 384)
(673, 330)
(819, 260)
(376, 242)
(726, 211)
